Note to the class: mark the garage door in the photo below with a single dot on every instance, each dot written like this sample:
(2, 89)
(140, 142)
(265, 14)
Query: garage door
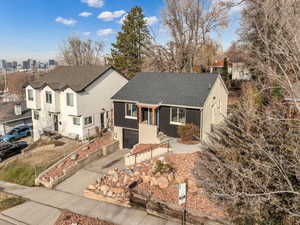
(130, 138)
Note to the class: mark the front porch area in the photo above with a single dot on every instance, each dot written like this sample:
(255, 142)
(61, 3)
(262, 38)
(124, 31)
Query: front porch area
(148, 124)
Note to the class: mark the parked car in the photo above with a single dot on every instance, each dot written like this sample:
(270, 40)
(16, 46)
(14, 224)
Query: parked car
(9, 149)
(17, 133)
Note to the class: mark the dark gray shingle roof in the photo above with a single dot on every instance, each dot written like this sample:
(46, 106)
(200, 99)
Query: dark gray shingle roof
(168, 88)
(7, 111)
(76, 78)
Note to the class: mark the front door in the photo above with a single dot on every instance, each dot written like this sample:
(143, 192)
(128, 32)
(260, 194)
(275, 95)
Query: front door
(102, 120)
(55, 121)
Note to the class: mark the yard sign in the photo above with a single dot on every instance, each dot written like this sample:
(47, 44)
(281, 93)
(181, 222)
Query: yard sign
(182, 194)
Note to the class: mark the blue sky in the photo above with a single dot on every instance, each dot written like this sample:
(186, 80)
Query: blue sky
(36, 28)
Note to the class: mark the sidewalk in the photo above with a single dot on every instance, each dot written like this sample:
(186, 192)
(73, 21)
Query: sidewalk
(44, 207)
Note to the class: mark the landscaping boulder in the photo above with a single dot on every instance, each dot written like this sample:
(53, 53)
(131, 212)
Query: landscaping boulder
(162, 182)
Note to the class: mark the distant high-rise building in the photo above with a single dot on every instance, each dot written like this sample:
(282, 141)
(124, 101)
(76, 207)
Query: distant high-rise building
(2, 64)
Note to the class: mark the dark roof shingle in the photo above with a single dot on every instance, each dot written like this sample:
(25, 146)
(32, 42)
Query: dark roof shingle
(7, 111)
(168, 89)
(76, 78)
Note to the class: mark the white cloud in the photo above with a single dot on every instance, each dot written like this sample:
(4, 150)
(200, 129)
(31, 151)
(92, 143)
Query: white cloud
(86, 33)
(85, 14)
(104, 32)
(67, 22)
(109, 16)
(151, 20)
(94, 3)
(121, 21)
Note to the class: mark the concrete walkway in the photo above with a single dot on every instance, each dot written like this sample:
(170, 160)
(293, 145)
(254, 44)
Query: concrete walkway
(179, 148)
(88, 175)
(44, 206)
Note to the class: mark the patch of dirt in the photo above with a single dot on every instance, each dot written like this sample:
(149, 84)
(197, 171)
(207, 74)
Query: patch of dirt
(69, 218)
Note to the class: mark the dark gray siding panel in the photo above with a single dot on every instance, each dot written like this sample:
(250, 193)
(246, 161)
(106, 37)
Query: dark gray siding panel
(119, 117)
(192, 116)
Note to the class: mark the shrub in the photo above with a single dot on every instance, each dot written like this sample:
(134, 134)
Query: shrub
(188, 132)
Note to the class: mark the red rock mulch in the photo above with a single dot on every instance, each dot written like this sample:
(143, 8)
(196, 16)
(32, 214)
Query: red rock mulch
(196, 198)
(69, 218)
(140, 148)
(83, 152)
(160, 186)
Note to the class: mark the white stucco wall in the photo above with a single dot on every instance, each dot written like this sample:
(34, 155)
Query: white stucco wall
(215, 107)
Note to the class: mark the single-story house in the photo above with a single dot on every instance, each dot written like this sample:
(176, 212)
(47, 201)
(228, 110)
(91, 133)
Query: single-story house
(152, 104)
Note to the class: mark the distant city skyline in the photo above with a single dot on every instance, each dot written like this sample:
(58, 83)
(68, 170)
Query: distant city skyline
(36, 29)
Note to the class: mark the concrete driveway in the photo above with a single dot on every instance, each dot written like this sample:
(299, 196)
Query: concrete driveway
(77, 183)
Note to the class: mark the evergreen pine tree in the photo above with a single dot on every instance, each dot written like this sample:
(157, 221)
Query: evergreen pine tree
(127, 53)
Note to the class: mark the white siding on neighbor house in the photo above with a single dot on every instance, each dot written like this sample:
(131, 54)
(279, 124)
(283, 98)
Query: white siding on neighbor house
(97, 98)
(87, 103)
(215, 107)
(50, 107)
(36, 103)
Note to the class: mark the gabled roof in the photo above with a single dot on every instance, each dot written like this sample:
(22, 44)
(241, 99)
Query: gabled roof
(168, 89)
(76, 78)
(7, 111)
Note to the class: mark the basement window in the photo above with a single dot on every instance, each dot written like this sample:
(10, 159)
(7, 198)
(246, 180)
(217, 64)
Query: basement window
(130, 111)
(88, 120)
(36, 115)
(76, 121)
(177, 116)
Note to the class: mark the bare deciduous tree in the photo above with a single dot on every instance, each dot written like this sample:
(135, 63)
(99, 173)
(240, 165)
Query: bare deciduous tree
(190, 23)
(77, 52)
(252, 162)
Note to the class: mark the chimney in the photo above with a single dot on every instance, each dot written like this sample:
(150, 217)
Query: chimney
(18, 109)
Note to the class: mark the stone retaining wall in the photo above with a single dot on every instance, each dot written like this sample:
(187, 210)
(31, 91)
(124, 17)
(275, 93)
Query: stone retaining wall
(68, 172)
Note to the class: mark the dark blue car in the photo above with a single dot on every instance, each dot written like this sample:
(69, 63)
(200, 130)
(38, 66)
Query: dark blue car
(17, 133)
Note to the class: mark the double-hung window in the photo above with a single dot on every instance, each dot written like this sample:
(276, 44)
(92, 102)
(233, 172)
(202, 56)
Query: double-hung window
(30, 95)
(70, 99)
(48, 97)
(88, 120)
(177, 116)
(36, 115)
(130, 111)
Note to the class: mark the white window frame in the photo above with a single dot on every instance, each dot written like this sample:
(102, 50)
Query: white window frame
(30, 96)
(131, 107)
(176, 122)
(36, 115)
(78, 119)
(47, 94)
(88, 124)
(67, 102)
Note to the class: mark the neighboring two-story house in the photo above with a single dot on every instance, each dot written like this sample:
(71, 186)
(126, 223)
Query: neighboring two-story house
(73, 101)
(240, 71)
(154, 103)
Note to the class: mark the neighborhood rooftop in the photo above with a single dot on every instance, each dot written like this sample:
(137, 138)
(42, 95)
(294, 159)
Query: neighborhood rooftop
(168, 89)
(7, 111)
(76, 78)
